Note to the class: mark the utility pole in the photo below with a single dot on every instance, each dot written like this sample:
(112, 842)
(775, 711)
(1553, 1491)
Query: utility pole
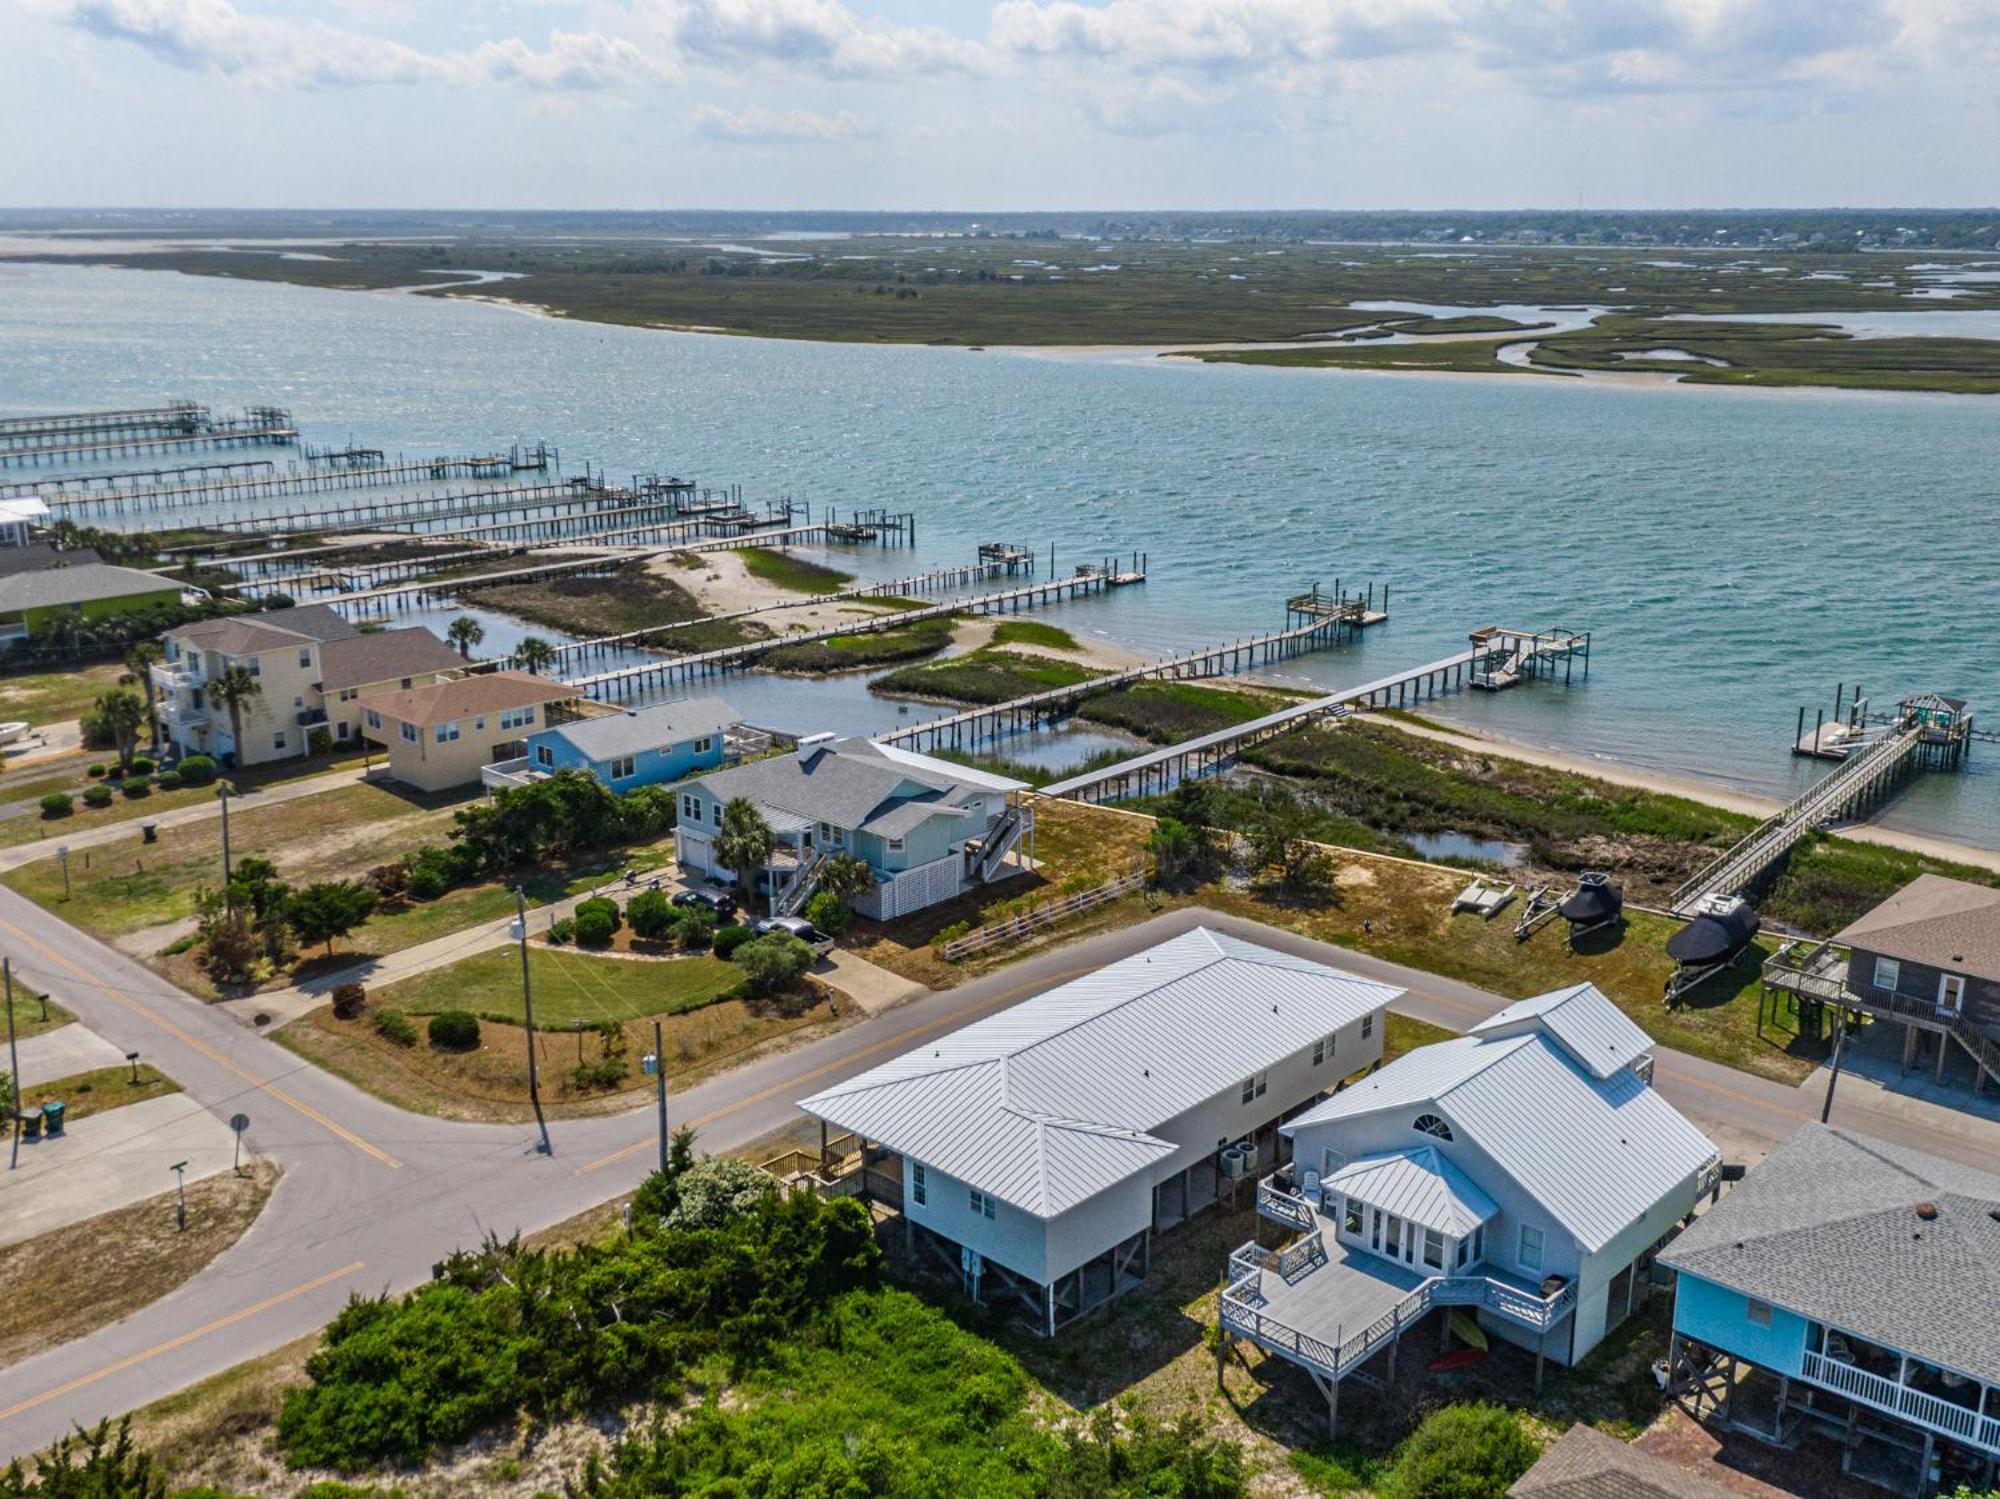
(222, 795)
(179, 1169)
(1833, 1077)
(13, 1061)
(528, 1008)
(660, 1068)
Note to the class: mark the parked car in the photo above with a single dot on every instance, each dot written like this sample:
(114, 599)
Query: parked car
(798, 927)
(723, 906)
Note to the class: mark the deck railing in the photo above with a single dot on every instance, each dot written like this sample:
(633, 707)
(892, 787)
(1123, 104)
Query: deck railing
(1898, 1399)
(1285, 1207)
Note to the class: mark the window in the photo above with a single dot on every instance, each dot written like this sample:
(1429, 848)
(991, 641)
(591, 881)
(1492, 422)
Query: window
(374, 719)
(305, 655)
(256, 667)
(1255, 1085)
(1350, 1220)
(517, 718)
(1367, 1025)
(1888, 973)
(446, 732)
(703, 745)
(343, 729)
(1433, 1249)
(1464, 1248)
(479, 724)
(544, 755)
(621, 767)
(1430, 1124)
(919, 1186)
(690, 808)
(1529, 1256)
(277, 741)
(895, 845)
(409, 731)
(982, 1204)
(348, 694)
(1323, 1047)
(1759, 1312)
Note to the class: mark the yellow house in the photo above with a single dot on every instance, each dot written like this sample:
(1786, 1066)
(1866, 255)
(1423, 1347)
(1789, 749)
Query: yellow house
(438, 735)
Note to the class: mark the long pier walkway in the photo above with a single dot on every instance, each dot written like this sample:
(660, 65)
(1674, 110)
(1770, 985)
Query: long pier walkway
(175, 416)
(261, 425)
(619, 683)
(102, 485)
(409, 513)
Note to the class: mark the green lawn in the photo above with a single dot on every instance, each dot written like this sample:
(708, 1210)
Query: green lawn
(47, 697)
(32, 826)
(793, 573)
(568, 987)
(1034, 632)
(35, 1013)
(100, 1090)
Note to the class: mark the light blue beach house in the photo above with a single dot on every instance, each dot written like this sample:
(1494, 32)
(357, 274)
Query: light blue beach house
(639, 747)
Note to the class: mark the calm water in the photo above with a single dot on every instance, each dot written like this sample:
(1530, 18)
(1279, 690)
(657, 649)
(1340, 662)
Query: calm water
(1736, 553)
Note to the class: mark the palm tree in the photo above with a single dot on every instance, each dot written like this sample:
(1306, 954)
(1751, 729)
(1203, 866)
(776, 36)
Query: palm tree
(232, 690)
(465, 632)
(123, 715)
(847, 877)
(534, 654)
(140, 660)
(743, 843)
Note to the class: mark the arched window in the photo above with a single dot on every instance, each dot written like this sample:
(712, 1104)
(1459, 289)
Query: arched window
(1430, 1124)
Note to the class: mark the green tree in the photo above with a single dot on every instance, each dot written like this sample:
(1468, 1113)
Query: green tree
(94, 1464)
(124, 716)
(744, 842)
(845, 877)
(233, 690)
(652, 915)
(1471, 1451)
(828, 912)
(1176, 850)
(535, 654)
(328, 909)
(774, 962)
(140, 658)
(465, 632)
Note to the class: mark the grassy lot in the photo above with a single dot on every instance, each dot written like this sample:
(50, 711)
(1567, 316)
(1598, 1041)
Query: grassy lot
(983, 676)
(337, 835)
(1034, 632)
(632, 598)
(36, 1013)
(100, 1091)
(910, 642)
(793, 573)
(47, 697)
(1168, 712)
(705, 1032)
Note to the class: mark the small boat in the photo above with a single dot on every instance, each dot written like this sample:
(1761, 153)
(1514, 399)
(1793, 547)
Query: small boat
(1465, 1327)
(1595, 902)
(1458, 1358)
(12, 731)
(1723, 926)
(1487, 900)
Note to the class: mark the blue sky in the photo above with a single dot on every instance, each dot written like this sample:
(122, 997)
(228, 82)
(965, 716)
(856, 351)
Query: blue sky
(968, 104)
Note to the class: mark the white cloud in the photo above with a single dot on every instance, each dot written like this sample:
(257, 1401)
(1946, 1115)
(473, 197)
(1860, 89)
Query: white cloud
(760, 126)
(823, 37)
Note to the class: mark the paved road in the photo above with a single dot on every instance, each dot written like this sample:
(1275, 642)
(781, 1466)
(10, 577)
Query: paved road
(371, 1195)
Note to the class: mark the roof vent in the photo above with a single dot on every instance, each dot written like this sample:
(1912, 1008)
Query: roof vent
(1926, 1211)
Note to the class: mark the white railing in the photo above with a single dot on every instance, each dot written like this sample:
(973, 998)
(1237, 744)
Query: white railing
(1002, 836)
(1901, 1400)
(506, 775)
(793, 896)
(1285, 1207)
(1038, 917)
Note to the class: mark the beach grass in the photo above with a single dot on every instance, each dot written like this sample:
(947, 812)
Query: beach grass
(792, 573)
(1034, 632)
(836, 653)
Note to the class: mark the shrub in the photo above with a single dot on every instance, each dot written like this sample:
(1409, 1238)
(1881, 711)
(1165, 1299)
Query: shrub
(605, 1072)
(652, 915)
(168, 780)
(57, 804)
(729, 939)
(1473, 1451)
(602, 903)
(774, 962)
(455, 1030)
(950, 933)
(349, 1000)
(594, 928)
(394, 1025)
(715, 1191)
(389, 880)
(95, 772)
(427, 884)
(197, 770)
(137, 786)
(697, 930)
(561, 930)
(97, 796)
(141, 766)
(828, 912)
(319, 742)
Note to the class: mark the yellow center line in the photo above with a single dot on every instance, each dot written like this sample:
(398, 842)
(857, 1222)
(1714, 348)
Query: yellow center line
(154, 1018)
(180, 1342)
(957, 1017)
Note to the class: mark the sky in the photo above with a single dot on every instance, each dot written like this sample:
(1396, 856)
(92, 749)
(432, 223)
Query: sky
(1014, 105)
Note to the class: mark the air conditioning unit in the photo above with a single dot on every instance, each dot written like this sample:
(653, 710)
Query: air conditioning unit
(1235, 1163)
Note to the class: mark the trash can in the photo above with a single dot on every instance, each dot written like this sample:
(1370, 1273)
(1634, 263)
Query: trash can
(149, 832)
(52, 1117)
(31, 1124)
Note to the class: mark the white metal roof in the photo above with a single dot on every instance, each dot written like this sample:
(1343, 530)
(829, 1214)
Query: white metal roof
(1047, 1103)
(1596, 1152)
(1591, 1028)
(1420, 1185)
(951, 769)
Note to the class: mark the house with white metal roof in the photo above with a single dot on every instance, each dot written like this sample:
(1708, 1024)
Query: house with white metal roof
(1041, 1148)
(1523, 1174)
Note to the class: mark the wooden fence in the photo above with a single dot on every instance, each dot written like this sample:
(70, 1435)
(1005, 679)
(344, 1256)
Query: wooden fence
(1041, 916)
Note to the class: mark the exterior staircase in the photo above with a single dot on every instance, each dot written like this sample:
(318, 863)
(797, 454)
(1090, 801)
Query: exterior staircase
(1002, 836)
(790, 900)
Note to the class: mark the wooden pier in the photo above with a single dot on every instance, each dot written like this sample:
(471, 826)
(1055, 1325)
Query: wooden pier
(614, 685)
(55, 487)
(1333, 620)
(568, 496)
(1160, 770)
(1508, 658)
(175, 416)
(422, 593)
(259, 426)
(117, 501)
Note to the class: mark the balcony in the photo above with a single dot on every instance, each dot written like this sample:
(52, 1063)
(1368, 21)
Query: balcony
(311, 718)
(1963, 1423)
(510, 775)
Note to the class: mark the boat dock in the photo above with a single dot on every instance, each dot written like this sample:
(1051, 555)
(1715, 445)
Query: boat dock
(1335, 619)
(563, 496)
(1160, 770)
(64, 426)
(612, 685)
(53, 487)
(32, 447)
(1506, 658)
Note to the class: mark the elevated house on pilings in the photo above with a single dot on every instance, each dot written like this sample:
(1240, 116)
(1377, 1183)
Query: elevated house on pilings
(1512, 1183)
(1037, 1152)
(1848, 1292)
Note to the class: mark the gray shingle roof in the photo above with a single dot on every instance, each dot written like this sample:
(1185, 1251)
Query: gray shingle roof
(1584, 1463)
(648, 728)
(1940, 922)
(267, 630)
(847, 784)
(90, 583)
(37, 556)
(385, 656)
(1828, 1227)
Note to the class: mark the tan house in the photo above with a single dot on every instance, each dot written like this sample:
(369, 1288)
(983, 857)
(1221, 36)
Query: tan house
(372, 664)
(439, 735)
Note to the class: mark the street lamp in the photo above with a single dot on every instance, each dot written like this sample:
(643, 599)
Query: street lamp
(62, 855)
(222, 794)
(179, 1169)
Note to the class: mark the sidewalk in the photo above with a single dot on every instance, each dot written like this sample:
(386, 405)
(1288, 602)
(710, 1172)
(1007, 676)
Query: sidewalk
(111, 1160)
(128, 827)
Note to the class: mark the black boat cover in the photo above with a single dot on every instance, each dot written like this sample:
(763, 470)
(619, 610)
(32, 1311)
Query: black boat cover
(1596, 900)
(1714, 939)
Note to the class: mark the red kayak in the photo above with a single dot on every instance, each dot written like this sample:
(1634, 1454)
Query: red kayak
(1458, 1358)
